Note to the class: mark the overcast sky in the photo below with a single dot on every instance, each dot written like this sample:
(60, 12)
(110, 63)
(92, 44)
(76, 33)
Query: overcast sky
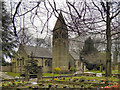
(37, 22)
(37, 26)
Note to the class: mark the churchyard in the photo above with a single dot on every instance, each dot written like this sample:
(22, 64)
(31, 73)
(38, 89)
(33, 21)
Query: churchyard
(52, 44)
(50, 80)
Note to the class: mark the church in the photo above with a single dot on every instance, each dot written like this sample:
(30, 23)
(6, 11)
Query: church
(59, 57)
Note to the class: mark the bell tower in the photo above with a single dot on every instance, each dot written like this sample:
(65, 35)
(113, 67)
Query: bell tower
(60, 45)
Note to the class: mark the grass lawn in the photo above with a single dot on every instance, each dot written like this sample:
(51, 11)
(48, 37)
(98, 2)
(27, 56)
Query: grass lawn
(92, 78)
(44, 74)
(51, 74)
(67, 78)
(98, 78)
(13, 74)
(96, 71)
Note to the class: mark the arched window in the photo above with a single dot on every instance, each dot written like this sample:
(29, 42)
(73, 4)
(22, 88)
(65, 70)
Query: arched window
(23, 60)
(49, 63)
(64, 35)
(46, 63)
(17, 62)
(56, 35)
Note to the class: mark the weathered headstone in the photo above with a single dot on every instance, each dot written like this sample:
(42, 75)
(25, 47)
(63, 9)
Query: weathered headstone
(98, 74)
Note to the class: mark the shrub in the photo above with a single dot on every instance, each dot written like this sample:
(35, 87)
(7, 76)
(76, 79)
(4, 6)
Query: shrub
(73, 69)
(82, 79)
(89, 86)
(57, 69)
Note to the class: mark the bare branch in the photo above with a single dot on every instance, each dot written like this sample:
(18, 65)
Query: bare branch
(13, 20)
(99, 11)
(115, 15)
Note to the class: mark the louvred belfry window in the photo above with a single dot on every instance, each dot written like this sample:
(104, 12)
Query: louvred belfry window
(64, 35)
(56, 35)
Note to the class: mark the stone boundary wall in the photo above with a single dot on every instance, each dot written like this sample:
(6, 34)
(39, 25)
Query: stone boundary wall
(6, 68)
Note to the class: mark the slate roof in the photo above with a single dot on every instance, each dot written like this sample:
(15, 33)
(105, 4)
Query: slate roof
(44, 52)
(38, 51)
(74, 55)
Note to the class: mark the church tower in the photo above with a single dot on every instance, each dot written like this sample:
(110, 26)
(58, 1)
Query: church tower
(60, 45)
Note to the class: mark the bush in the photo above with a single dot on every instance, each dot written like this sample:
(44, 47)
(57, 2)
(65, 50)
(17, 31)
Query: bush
(89, 86)
(82, 79)
(57, 69)
(73, 69)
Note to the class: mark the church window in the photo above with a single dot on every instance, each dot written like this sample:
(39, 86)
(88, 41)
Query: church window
(23, 60)
(17, 62)
(46, 63)
(60, 32)
(64, 35)
(20, 62)
(49, 63)
(56, 35)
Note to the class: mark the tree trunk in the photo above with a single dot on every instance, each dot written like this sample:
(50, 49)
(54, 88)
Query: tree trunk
(101, 67)
(119, 67)
(108, 36)
(119, 72)
(114, 59)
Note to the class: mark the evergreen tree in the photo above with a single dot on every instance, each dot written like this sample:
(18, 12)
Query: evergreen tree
(8, 41)
(88, 47)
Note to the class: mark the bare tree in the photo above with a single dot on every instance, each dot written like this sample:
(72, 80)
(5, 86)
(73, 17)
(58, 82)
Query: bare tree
(28, 15)
(82, 17)
(25, 37)
(96, 17)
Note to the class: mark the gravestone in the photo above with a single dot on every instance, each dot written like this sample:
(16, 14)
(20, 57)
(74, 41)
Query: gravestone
(98, 74)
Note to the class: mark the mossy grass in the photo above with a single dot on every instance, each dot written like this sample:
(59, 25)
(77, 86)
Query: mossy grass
(103, 72)
(97, 78)
(13, 74)
(52, 74)
(90, 78)
(96, 71)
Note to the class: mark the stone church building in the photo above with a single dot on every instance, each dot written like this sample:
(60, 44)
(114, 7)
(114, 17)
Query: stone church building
(59, 56)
